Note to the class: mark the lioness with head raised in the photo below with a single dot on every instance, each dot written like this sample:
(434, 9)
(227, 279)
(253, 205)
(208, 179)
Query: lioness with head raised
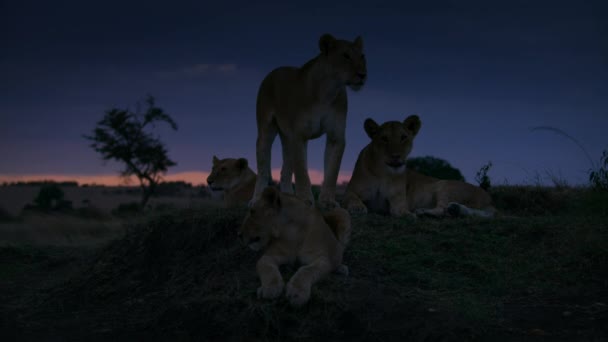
(381, 182)
(287, 229)
(234, 178)
(303, 103)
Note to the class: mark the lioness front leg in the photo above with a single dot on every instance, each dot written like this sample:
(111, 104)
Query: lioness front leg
(298, 287)
(270, 276)
(267, 132)
(334, 149)
(399, 206)
(299, 147)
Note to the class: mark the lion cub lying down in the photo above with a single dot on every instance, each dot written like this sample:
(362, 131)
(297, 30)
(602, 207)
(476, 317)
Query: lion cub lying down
(289, 230)
(234, 178)
(381, 183)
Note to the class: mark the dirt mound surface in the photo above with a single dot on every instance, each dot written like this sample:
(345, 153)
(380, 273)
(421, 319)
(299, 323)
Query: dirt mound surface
(184, 276)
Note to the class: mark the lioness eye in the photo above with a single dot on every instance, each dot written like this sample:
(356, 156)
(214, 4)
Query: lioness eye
(403, 137)
(223, 169)
(384, 139)
(346, 56)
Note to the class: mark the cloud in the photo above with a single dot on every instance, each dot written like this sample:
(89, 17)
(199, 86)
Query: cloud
(198, 70)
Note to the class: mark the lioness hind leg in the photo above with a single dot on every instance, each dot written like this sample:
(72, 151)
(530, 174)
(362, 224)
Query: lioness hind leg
(267, 132)
(435, 212)
(287, 169)
(299, 149)
(459, 210)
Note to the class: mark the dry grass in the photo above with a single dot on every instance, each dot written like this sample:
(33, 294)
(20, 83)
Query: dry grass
(105, 199)
(59, 230)
(92, 224)
(182, 275)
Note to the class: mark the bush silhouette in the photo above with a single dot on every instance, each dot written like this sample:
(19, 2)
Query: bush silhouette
(48, 196)
(434, 167)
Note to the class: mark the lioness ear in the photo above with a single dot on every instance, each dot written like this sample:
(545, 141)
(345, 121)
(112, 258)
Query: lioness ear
(326, 43)
(412, 123)
(358, 43)
(371, 127)
(272, 197)
(215, 160)
(241, 164)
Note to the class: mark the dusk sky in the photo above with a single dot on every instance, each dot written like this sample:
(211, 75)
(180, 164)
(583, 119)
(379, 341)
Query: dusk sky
(480, 74)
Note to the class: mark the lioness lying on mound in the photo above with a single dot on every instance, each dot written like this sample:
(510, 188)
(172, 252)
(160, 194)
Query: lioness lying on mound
(303, 103)
(437, 197)
(289, 230)
(234, 178)
(381, 183)
(379, 178)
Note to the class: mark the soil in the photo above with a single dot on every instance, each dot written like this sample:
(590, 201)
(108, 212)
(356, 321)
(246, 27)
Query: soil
(184, 278)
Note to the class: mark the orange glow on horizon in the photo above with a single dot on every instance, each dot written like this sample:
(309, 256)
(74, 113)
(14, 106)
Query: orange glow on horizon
(193, 177)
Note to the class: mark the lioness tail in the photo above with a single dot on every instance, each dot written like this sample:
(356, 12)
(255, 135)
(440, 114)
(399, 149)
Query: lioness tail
(338, 220)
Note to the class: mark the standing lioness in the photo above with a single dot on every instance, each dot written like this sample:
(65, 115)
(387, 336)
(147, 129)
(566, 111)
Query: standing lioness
(300, 104)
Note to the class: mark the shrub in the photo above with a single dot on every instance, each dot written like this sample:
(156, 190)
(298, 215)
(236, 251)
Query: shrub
(434, 167)
(598, 176)
(482, 177)
(49, 197)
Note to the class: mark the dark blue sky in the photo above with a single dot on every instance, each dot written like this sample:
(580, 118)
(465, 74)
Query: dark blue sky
(479, 73)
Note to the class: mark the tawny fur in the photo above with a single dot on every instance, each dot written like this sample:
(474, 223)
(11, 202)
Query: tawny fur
(381, 183)
(303, 103)
(379, 178)
(436, 197)
(287, 229)
(234, 178)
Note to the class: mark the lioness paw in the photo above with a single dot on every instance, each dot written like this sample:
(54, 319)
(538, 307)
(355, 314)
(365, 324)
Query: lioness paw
(420, 211)
(327, 202)
(327, 205)
(402, 212)
(297, 295)
(457, 210)
(342, 270)
(357, 208)
(270, 292)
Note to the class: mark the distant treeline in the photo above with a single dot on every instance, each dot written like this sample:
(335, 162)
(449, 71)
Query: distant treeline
(163, 186)
(41, 183)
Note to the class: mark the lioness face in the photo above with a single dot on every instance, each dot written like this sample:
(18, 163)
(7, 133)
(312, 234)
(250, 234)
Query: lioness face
(261, 224)
(346, 60)
(225, 173)
(392, 141)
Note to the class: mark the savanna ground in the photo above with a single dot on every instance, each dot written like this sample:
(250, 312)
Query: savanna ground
(538, 273)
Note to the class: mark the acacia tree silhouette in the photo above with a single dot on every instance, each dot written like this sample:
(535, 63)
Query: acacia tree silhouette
(121, 135)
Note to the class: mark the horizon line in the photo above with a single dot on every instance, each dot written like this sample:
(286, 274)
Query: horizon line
(195, 178)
